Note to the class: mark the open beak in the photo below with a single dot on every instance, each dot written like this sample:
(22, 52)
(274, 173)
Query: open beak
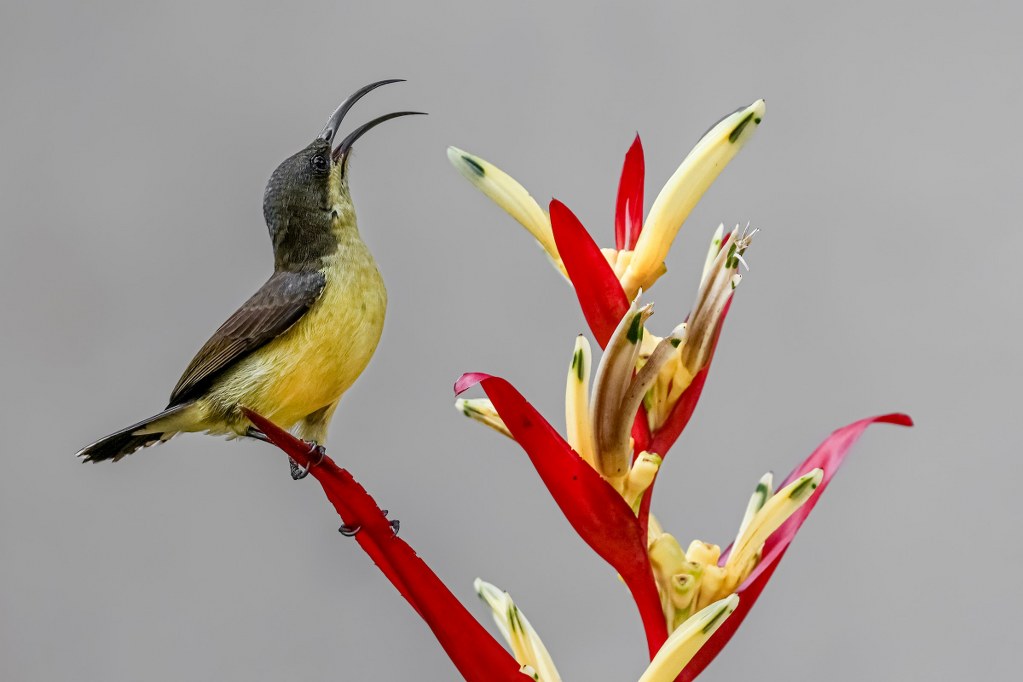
(340, 153)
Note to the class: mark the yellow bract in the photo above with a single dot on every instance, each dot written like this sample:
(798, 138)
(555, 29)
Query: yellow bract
(578, 429)
(482, 410)
(507, 193)
(525, 644)
(686, 640)
(685, 188)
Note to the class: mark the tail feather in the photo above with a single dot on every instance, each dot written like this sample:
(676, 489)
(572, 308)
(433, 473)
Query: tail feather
(126, 441)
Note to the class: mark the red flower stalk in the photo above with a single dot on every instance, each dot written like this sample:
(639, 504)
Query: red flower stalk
(477, 655)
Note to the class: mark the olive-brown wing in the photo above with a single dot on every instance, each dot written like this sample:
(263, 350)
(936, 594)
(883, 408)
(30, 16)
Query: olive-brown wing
(271, 311)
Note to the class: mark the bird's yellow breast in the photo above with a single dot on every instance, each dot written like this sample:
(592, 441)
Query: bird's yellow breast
(309, 366)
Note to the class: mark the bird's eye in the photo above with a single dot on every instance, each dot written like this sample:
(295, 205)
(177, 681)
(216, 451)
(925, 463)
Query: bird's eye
(319, 162)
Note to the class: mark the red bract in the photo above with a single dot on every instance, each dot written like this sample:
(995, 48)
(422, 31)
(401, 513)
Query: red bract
(828, 456)
(664, 437)
(595, 510)
(600, 294)
(476, 655)
(629, 208)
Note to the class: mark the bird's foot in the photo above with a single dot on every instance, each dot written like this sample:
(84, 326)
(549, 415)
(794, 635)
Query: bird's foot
(351, 531)
(316, 454)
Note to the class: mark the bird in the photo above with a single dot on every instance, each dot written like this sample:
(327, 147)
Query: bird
(296, 345)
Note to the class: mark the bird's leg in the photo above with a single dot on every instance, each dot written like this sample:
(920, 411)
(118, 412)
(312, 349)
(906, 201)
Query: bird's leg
(316, 454)
(313, 429)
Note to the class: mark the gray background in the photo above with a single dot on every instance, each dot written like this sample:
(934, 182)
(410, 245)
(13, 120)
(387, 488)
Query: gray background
(135, 140)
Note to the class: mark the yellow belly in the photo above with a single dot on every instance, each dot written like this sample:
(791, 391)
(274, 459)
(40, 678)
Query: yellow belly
(308, 367)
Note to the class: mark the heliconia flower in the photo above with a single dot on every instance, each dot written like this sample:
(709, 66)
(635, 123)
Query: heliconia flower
(644, 392)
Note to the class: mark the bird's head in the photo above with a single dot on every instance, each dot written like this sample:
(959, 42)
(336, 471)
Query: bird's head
(308, 193)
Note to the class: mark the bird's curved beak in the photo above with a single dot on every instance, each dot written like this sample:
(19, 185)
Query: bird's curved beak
(340, 152)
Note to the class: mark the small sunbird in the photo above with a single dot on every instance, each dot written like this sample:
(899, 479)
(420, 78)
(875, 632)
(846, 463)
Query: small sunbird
(302, 340)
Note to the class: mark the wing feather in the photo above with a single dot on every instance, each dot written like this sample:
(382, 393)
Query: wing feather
(271, 311)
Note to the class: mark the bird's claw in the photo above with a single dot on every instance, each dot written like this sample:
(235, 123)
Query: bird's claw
(316, 455)
(395, 523)
(255, 433)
